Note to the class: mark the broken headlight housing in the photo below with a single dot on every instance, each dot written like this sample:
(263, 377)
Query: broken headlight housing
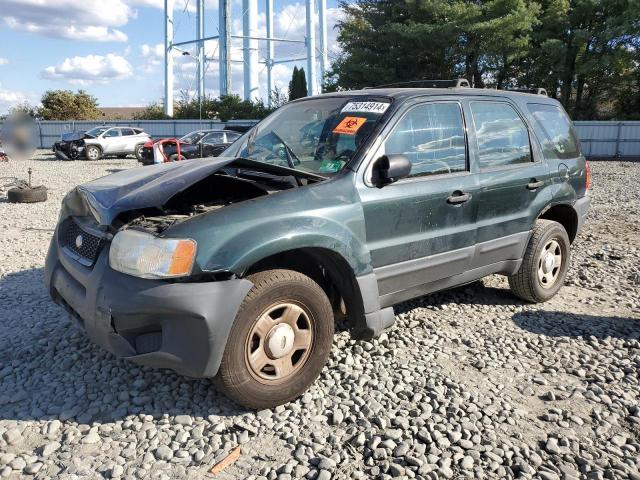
(143, 255)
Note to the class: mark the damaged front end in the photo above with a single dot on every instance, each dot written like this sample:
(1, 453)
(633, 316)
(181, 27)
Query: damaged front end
(116, 263)
(70, 146)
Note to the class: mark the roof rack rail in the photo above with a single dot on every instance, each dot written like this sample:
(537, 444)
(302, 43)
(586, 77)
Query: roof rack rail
(454, 83)
(536, 91)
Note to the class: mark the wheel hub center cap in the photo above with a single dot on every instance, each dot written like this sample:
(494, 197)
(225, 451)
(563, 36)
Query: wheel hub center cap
(548, 263)
(279, 341)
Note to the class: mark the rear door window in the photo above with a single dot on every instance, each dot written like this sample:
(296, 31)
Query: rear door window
(559, 139)
(503, 138)
(127, 132)
(214, 137)
(432, 137)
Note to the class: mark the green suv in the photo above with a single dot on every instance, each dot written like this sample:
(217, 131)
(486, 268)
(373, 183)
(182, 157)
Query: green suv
(343, 204)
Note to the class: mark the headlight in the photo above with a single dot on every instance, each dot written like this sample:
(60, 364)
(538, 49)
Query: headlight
(143, 255)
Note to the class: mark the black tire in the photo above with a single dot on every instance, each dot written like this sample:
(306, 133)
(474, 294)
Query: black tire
(92, 152)
(526, 283)
(175, 157)
(138, 151)
(27, 195)
(273, 287)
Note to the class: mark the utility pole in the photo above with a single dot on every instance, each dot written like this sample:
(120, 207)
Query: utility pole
(270, 52)
(311, 48)
(224, 42)
(250, 48)
(200, 51)
(168, 58)
(324, 60)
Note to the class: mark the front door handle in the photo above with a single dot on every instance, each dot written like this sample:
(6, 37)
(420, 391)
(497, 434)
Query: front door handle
(458, 198)
(534, 185)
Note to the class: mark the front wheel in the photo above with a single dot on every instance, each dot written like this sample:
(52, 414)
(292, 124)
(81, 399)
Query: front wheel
(92, 153)
(545, 263)
(279, 341)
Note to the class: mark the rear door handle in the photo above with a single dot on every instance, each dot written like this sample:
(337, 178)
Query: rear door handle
(535, 185)
(458, 198)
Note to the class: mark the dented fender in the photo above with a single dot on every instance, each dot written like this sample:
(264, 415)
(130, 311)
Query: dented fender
(324, 215)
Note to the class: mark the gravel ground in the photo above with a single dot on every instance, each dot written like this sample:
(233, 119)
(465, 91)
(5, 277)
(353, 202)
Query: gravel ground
(468, 383)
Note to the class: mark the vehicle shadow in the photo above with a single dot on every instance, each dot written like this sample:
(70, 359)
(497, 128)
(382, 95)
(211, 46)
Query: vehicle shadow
(567, 324)
(49, 368)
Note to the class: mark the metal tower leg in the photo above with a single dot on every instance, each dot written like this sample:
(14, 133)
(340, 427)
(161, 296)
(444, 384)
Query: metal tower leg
(168, 58)
(250, 48)
(224, 42)
(311, 49)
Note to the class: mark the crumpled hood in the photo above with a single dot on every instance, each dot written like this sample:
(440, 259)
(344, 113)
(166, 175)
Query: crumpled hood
(143, 187)
(72, 136)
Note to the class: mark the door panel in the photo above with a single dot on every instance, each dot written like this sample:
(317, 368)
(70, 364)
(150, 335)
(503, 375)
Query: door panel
(415, 234)
(512, 183)
(111, 141)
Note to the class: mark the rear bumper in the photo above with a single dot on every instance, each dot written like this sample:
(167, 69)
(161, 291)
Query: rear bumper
(180, 326)
(582, 209)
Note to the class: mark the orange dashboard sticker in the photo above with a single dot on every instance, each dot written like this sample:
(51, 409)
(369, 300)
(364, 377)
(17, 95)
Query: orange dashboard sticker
(350, 125)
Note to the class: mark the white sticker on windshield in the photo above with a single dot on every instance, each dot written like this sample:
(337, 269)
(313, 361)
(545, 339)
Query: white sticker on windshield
(374, 107)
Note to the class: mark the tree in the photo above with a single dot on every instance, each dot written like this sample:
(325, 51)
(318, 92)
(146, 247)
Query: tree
(298, 84)
(584, 52)
(24, 109)
(386, 41)
(67, 105)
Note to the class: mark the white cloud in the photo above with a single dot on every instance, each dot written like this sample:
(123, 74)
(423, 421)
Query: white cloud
(86, 20)
(3, 61)
(90, 69)
(9, 98)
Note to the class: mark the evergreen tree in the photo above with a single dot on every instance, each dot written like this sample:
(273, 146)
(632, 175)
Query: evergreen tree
(584, 52)
(298, 84)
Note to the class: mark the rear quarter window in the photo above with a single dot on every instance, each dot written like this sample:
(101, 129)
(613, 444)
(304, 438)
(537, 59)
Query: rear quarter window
(557, 134)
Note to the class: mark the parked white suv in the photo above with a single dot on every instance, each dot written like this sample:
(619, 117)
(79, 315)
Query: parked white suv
(120, 141)
(101, 142)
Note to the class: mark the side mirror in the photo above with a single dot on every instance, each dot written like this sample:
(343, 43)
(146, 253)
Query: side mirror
(390, 168)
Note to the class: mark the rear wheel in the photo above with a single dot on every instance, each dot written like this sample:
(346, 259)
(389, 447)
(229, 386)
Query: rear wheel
(545, 263)
(139, 151)
(175, 157)
(279, 341)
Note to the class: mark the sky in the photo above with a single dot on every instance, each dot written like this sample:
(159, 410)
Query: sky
(114, 48)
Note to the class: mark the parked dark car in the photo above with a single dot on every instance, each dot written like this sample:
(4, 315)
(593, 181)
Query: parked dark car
(343, 204)
(198, 144)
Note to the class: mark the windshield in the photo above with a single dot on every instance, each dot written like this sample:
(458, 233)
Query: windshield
(193, 137)
(318, 135)
(95, 132)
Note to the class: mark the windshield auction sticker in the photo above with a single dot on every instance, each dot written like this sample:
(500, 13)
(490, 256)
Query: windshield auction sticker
(373, 107)
(349, 125)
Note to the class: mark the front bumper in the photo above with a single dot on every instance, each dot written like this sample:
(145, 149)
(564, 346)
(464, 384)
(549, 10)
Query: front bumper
(180, 326)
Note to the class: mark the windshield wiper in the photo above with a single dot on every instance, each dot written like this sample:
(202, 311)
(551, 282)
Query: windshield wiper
(290, 154)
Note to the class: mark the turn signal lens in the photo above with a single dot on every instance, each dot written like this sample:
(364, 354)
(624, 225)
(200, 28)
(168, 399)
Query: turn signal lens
(182, 259)
(587, 180)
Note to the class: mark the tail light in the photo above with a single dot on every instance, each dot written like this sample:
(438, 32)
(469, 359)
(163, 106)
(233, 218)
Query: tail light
(587, 179)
